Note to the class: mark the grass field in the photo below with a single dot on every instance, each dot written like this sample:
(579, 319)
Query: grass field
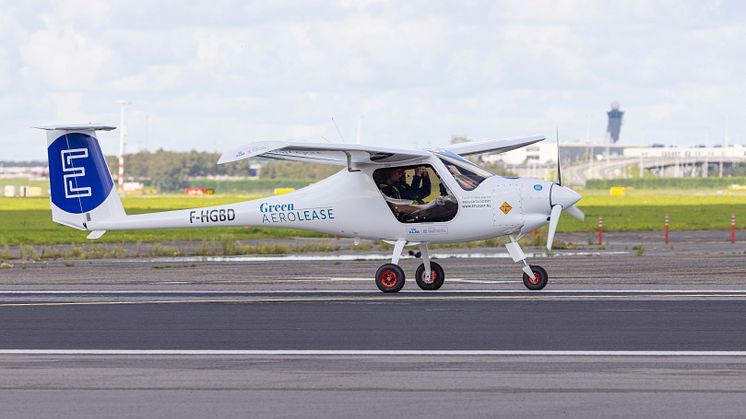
(28, 220)
(646, 211)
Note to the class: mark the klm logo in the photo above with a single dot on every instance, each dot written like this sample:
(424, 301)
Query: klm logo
(71, 173)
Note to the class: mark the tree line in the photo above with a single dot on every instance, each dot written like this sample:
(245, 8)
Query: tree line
(170, 170)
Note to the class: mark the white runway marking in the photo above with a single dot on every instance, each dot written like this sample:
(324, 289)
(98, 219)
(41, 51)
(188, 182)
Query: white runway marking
(361, 257)
(325, 352)
(372, 291)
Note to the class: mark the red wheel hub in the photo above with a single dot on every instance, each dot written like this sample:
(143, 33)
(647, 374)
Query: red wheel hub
(536, 280)
(389, 278)
(433, 277)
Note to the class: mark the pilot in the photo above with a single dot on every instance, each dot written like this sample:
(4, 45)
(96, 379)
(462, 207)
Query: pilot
(389, 183)
(395, 186)
(465, 182)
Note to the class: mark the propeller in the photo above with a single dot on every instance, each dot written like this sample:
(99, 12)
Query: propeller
(559, 166)
(561, 198)
(553, 221)
(575, 212)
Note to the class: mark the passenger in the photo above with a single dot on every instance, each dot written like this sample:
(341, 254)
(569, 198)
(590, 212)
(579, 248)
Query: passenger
(420, 187)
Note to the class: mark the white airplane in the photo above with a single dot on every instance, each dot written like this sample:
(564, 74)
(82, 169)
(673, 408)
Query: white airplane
(403, 197)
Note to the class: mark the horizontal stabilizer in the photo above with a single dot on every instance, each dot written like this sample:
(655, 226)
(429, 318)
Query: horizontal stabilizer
(77, 127)
(95, 234)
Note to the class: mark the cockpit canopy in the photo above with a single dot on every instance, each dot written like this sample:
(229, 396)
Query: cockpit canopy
(467, 174)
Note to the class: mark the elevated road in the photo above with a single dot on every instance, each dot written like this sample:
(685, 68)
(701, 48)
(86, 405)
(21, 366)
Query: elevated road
(578, 174)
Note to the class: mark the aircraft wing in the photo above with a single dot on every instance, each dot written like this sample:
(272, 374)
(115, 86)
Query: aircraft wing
(339, 154)
(491, 146)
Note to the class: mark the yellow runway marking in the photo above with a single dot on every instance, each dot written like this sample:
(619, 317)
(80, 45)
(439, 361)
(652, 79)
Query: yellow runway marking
(374, 299)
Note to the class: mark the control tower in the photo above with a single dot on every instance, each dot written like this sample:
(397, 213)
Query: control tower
(615, 122)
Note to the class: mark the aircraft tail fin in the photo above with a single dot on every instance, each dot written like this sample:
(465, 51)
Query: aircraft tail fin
(81, 187)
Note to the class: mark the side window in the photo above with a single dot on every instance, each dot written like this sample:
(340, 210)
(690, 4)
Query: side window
(416, 194)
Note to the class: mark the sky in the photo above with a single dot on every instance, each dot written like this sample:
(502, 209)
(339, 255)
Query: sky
(214, 75)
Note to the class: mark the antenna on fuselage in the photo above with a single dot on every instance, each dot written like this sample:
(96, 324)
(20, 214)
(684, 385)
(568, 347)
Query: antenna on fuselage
(341, 137)
(359, 129)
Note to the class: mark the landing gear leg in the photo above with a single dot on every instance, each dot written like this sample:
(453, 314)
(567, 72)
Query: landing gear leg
(390, 276)
(430, 275)
(534, 276)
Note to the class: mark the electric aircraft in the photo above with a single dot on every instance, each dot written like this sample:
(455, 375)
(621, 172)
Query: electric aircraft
(401, 196)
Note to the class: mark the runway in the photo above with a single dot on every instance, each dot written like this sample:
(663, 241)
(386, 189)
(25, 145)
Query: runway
(631, 336)
(598, 321)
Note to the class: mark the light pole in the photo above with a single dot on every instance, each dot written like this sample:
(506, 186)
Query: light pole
(122, 139)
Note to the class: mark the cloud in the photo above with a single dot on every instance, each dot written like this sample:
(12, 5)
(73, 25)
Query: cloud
(418, 71)
(4, 76)
(87, 12)
(155, 78)
(66, 59)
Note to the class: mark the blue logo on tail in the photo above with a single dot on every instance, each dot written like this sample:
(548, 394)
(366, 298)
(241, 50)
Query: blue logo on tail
(78, 176)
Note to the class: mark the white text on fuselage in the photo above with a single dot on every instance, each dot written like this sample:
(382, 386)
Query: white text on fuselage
(282, 213)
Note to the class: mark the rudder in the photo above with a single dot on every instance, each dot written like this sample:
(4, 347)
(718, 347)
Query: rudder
(81, 187)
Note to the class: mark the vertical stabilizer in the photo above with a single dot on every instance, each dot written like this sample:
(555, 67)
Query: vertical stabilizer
(80, 184)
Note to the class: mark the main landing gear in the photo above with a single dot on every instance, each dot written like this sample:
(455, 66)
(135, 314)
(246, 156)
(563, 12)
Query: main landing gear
(534, 276)
(429, 275)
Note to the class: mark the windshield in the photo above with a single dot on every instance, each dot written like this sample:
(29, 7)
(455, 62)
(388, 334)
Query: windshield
(467, 174)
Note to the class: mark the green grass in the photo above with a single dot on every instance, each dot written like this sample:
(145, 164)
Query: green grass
(249, 185)
(28, 220)
(666, 183)
(646, 211)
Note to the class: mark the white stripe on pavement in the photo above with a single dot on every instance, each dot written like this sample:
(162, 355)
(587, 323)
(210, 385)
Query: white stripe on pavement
(376, 352)
(347, 291)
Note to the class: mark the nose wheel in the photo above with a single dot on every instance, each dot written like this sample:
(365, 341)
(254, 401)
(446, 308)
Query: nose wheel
(539, 280)
(434, 280)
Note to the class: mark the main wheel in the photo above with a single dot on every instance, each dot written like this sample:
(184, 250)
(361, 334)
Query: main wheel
(390, 278)
(437, 277)
(540, 281)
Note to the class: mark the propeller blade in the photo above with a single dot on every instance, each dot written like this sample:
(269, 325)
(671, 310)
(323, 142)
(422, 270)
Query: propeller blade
(559, 166)
(553, 221)
(575, 212)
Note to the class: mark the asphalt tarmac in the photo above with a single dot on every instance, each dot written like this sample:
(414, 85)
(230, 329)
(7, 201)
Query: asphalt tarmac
(613, 335)
(365, 321)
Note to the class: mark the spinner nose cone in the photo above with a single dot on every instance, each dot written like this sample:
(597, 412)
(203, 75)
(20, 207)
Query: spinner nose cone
(563, 196)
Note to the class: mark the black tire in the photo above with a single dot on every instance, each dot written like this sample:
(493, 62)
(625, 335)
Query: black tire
(541, 278)
(390, 278)
(436, 271)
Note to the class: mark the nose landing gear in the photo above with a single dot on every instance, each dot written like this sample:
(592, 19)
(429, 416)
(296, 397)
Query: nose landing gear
(534, 276)
(539, 280)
